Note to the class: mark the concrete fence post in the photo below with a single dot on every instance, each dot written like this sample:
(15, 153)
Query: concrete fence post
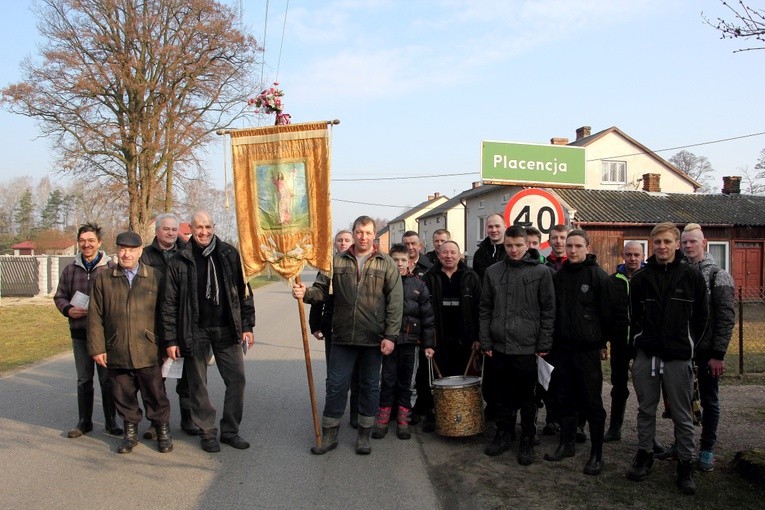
(54, 265)
(42, 275)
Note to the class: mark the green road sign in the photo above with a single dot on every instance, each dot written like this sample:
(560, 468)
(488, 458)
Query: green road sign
(532, 164)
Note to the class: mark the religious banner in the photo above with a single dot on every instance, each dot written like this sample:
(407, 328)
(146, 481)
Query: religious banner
(281, 182)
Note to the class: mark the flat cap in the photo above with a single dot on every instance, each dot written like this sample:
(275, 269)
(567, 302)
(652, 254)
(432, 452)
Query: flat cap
(129, 240)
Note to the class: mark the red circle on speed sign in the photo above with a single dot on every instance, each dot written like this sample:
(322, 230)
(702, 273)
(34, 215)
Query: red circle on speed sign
(534, 207)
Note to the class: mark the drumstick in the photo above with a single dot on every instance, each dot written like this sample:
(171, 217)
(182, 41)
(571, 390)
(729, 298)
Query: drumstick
(470, 362)
(435, 367)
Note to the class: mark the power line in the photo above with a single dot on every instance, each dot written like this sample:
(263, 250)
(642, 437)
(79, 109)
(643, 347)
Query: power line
(369, 203)
(265, 32)
(281, 44)
(683, 146)
(432, 176)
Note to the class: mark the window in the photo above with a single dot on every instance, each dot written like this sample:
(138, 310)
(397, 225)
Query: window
(481, 228)
(480, 204)
(719, 251)
(505, 198)
(614, 171)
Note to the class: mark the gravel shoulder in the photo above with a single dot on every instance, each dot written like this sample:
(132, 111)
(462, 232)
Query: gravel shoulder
(465, 478)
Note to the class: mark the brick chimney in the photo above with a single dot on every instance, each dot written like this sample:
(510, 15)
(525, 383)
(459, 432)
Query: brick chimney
(475, 184)
(430, 197)
(651, 183)
(731, 185)
(559, 141)
(436, 195)
(583, 132)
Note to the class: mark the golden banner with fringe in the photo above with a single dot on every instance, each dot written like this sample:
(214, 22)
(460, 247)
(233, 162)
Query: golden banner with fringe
(281, 181)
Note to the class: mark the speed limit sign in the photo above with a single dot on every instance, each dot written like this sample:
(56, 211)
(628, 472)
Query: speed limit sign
(534, 207)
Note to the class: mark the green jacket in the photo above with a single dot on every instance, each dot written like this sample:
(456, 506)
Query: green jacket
(367, 309)
(122, 319)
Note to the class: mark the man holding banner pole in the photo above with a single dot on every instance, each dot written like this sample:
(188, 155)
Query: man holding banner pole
(368, 298)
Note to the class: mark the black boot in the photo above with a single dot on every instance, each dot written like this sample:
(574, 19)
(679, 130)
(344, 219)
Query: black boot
(526, 451)
(85, 411)
(110, 415)
(164, 441)
(594, 466)
(500, 443)
(641, 465)
(130, 439)
(329, 429)
(187, 424)
(685, 480)
(364, 439)
(616, 420)
(567, 444)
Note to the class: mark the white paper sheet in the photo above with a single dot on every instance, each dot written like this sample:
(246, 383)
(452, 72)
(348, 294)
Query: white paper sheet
(172, 368)
(80, 300)
(544, 372)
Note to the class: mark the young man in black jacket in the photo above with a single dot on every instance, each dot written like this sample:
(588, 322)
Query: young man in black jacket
(582, 306)
(516, 317)
(669, 315)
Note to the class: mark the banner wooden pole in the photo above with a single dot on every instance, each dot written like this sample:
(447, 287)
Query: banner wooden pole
(309, 370)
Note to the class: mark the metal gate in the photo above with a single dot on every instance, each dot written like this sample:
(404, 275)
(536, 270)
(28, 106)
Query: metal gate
(18, 276)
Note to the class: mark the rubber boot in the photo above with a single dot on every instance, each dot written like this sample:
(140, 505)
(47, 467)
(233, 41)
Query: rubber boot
(85, 411)
(685, 480)
(616, 420)
(164, 441)
(402, 421)
(187, 424)
(329, 430)
(130, 439)
(382, 422)
(594, 466)
(363, 441)
(567, 444)
(110, 415)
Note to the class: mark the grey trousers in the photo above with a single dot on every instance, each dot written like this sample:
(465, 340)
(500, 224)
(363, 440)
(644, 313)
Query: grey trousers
(230, 363)
(649, 374)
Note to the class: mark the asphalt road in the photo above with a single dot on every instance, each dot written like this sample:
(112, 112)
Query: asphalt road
(41, 468)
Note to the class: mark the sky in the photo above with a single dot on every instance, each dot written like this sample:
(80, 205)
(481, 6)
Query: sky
(418, 85)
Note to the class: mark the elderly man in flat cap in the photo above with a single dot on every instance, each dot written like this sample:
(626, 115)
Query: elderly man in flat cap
(121, 337)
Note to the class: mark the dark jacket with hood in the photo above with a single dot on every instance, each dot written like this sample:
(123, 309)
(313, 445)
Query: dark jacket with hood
(153, 256)
(486, 255)
(517, 312)
(621, 315)
(722, 316)
(417, 326)
(669, 308)
(582, 305)
(470, 297)
(367, 308)
(179, 311)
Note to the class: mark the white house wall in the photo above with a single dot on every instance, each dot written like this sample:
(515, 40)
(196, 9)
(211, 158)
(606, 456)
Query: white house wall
(612, 147)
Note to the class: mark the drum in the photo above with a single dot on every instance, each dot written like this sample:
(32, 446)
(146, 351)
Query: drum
(459, 406)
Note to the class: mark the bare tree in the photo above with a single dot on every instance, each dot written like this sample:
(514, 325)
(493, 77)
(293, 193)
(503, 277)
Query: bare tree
(752, 183)
(747, 23)
(698, 168)
(130, 90)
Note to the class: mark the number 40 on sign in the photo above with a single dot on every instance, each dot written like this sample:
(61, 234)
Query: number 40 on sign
(534, 207)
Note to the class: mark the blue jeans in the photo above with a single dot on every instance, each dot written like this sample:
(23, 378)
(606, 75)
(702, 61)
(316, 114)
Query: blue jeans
(709, 390)
(341, 364)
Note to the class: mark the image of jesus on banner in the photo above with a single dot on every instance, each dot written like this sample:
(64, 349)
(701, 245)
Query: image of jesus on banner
(282, 195)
